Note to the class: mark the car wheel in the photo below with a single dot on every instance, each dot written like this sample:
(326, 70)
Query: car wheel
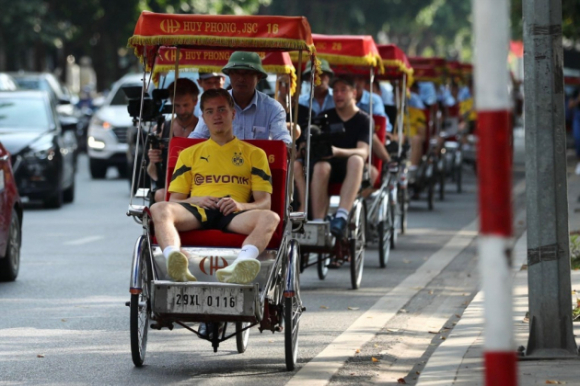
(10, 264)
(98, 169)
(55, 201)
(68, 195)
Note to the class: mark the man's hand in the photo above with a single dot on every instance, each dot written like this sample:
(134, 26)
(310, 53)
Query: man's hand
(154, 155)
(206, 202)
(228, 205)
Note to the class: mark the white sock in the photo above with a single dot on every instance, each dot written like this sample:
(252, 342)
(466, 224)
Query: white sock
(248, 252)
(318, 220)
(170, 249)
(341, 212)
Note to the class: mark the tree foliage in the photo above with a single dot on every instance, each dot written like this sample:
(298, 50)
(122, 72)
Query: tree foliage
(41, 34)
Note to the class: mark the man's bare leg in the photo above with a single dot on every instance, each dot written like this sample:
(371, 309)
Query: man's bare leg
(170, 218)
(352, 181)
(259, 225)
(319, 189)
(300, 180)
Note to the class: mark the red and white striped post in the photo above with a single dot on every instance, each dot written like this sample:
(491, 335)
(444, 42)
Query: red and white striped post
(491, 27)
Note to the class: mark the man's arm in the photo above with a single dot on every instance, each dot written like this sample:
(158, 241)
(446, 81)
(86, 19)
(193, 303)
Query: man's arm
(378, 107)
(227, 205)
(362, 149)
(206, 202)
(201, 131)
(277, 124)
(379, 149)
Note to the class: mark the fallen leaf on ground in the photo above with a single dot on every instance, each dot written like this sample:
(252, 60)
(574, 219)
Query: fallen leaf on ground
(430, 292)
(351, 373)
(354, 308)
(403, 311)
(433, 332)
(446, 328)
(550, 382)
(357, 351)
(457, 316)
(375, 359)
(418, 372)
(443, 338)
(63, 320)
(401, 381)
(406, 261)
(376, 345)
(324, 307)
(524, 267)
(40, 356)
(270, 341)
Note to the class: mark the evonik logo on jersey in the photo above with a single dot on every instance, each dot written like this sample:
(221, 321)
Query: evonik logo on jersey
(200, 179)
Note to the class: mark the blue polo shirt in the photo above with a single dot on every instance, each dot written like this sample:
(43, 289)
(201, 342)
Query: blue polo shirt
(263, 118)
(328, 103)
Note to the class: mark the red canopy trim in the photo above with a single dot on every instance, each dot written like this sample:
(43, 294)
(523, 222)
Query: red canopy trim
(427, 74)
(274, 62)
(252, 33)
(572, 80)
(395, 62)
(438, 63)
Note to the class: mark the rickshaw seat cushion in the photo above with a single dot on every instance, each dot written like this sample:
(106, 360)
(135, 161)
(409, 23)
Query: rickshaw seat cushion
(277, 154)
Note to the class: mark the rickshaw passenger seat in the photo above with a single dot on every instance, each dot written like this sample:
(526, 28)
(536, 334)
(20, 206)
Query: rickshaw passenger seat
(277, 154)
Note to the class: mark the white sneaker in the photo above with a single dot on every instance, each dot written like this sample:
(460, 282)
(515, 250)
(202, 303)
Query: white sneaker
(242, 271)
(177, 267)
(578, 169)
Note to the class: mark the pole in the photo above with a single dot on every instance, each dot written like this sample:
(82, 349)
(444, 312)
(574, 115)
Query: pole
(550, 299)
(493, 109)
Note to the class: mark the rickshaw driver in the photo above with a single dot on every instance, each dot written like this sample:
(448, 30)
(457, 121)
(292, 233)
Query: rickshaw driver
(199, 202)
(322, 93)
(349, 154)
(257, 115)
(208, 81)
(363, 103)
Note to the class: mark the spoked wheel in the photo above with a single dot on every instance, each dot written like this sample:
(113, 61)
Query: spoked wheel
(394, 225)
(357, 244)
(384, 243)
(430, 192)
(459, 176)
(402, 206)
(322, 265)
(242, 337)
(441, 176)
(140, 312)
(292, 314)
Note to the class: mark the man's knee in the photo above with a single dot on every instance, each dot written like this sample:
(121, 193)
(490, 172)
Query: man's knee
(355, 162)
(321, 169)
(160, 211)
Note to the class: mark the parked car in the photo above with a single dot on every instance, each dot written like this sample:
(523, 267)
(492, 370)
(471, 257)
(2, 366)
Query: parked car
(10, 220)
(43, 150)
(107, 135)
(7, 83)
(64, 99)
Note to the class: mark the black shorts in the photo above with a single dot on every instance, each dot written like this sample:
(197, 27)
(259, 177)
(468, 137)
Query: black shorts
(337, 171)
(214, 219)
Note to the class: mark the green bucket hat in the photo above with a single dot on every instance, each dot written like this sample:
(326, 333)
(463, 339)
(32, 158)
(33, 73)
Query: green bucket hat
(324, 66)
(241, 60)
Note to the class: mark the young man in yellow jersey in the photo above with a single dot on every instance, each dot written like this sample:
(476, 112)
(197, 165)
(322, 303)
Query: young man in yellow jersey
(211, 188)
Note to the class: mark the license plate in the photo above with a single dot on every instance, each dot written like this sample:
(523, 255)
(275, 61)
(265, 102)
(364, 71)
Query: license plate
(205, 300)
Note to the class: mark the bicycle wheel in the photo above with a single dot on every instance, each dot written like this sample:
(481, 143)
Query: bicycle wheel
(292, 313)
(140, 309)
(357, 245)
(384, 243)
(322, 265)
(242, 337)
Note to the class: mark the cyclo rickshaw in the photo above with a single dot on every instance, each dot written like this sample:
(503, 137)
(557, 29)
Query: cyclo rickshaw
(431, 169)
(452, 134)
(272, 302)
(399, 73)
(345, 55)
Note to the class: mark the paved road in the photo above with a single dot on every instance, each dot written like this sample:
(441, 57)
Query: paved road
(64, 320)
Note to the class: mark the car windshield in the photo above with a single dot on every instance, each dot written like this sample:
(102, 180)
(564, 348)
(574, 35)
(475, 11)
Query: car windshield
(16, 113)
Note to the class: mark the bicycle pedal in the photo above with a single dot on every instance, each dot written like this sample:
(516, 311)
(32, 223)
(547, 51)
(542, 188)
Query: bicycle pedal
(128, 304)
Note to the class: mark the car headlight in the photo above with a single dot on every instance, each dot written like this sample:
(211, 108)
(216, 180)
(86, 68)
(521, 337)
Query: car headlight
(99, 122)
(41, 150)
(95, 143)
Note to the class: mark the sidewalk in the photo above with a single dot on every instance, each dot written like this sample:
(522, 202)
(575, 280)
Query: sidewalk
(458, 361)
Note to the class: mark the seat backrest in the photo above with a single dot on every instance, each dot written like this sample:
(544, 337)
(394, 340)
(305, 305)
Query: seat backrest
(277, 154)
(381, 132)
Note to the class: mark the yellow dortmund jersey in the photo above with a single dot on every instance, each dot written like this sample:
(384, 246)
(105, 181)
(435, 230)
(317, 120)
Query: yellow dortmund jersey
(416, 119)
(234, 169)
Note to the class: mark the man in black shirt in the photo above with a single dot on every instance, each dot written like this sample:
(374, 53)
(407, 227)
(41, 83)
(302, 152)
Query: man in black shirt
(349, 152)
